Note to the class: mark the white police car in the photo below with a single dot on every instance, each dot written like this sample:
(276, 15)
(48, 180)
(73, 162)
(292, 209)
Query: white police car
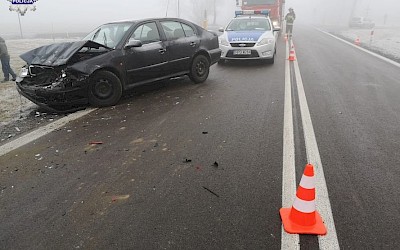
(250, 35)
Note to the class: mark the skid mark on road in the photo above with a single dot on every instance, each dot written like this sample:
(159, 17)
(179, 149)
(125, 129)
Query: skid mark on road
(289, 241)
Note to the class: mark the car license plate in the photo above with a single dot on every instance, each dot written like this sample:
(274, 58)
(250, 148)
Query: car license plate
(242, 52)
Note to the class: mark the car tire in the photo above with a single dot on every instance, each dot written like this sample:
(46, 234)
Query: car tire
(105, 89)
(271, 60)
(199, 69)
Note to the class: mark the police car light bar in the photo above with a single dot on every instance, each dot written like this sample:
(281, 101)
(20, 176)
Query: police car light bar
(251, 12)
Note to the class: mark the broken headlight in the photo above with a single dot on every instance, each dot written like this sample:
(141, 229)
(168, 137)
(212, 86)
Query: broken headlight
(24, 72)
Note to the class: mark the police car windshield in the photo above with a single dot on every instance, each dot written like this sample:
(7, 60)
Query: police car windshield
(109, 34)
(249, 24)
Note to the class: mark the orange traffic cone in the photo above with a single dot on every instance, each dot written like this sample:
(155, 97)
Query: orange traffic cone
(292, 56)
(357, 41)
(302, 218)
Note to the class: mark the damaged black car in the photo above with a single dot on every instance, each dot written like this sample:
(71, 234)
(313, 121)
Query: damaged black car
(113, 58)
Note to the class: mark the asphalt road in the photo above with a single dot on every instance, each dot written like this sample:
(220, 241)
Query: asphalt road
(185, 166)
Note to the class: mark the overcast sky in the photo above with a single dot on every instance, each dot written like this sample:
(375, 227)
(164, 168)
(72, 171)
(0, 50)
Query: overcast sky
(83, 16)
(78, 16)
(331, 12)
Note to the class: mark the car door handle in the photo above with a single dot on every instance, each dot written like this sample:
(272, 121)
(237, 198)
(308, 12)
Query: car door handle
(192, 44)
(162, 51)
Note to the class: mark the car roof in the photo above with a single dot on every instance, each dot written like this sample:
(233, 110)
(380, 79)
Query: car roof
(150, 19)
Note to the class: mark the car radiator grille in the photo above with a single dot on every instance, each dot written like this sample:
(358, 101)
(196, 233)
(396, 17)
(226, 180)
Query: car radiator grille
(242, 45)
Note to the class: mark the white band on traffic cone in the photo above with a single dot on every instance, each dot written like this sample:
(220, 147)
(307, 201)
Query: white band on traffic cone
(304, 206)
(307, 182)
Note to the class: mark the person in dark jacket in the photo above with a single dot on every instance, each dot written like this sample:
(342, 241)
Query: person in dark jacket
(290, 17)
(5, 62)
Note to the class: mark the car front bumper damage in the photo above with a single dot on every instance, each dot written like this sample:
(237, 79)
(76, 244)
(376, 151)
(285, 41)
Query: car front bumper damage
(65, 93)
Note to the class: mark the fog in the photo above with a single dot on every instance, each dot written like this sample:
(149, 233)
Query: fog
(62, 16)
(338, 12)
(66, 16)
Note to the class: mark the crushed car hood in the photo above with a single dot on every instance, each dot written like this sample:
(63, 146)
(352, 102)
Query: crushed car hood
(57, 54)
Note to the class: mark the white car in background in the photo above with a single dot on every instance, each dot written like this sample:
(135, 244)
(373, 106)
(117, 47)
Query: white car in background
(249, 36)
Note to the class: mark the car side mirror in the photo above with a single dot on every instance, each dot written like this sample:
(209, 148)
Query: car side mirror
(277, 29)
(133, 44)
(221, 29)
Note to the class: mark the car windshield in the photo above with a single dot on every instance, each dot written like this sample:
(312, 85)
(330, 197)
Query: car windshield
(249, 24)
(109, 34)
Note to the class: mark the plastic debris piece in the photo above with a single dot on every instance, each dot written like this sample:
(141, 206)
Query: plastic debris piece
(211, 191)
(205, 132)
(95, 142)
(187, 160)
(215, 164)
(120, 197)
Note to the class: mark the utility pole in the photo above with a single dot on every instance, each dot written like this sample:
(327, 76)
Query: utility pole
(20, 27)
(166, 11)
(353, 9)
(179, 13)
(215, 12)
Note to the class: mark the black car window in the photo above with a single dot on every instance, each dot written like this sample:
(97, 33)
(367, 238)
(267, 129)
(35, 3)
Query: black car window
(173, 30)
(109, 34)
(188, 30)
(146, 33)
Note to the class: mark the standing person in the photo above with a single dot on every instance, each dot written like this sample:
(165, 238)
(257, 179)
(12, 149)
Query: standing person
(289, 21)
(5, 62)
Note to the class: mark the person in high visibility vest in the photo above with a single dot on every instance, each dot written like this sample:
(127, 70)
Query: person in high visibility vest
(289, 18)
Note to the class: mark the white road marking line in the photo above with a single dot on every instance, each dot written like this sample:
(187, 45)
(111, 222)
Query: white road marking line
(360, 48)
(288, 241)
(323, 205)
(36, 134)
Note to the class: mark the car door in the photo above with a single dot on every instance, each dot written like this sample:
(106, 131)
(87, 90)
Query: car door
(148, 61)
(181, 44)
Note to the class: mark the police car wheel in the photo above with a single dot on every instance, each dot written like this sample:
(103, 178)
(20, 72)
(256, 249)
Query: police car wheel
(199, 69)
(271, 60)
